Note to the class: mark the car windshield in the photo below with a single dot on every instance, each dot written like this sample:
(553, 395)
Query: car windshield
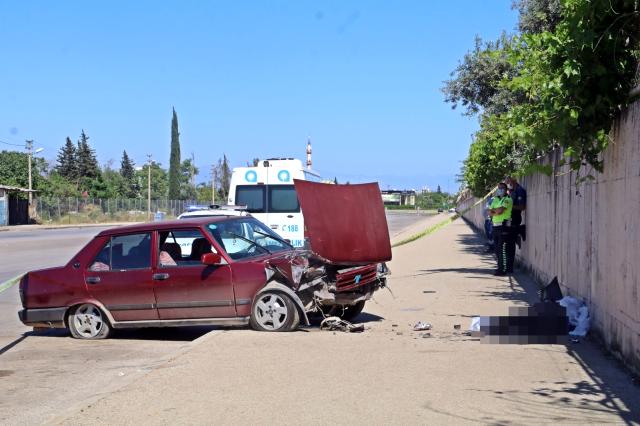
(246, 237)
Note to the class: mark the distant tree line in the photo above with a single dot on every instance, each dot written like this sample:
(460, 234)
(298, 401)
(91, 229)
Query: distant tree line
(77, 173)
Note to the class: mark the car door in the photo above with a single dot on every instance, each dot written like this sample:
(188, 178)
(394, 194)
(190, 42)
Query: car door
(120, 277)
(185, 288)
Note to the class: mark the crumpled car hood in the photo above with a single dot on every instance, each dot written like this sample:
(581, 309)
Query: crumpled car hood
(345, 224)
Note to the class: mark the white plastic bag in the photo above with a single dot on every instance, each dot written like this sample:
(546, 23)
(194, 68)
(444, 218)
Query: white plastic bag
(475, 324)
(578, 315)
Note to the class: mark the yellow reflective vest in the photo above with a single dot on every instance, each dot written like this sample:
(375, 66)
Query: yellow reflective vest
(505, 202)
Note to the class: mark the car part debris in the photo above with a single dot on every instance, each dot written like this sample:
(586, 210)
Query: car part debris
(420, 326)
(551, 292)
(335, 323)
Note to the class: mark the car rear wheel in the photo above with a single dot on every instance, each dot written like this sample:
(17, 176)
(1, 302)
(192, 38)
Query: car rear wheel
(88, 322)
(274, 311)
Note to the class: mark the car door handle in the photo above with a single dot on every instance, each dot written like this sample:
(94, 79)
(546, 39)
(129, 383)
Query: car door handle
(93, 280)
(290, 216)
(161, 277)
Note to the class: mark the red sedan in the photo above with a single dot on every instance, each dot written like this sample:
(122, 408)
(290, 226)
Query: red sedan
(219, 270)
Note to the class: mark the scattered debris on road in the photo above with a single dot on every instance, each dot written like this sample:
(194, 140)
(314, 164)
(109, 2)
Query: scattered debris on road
(337, 324)
(420, 326)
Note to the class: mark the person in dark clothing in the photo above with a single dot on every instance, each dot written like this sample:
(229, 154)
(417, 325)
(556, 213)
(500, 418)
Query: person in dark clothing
(519, 196)
(488, 225)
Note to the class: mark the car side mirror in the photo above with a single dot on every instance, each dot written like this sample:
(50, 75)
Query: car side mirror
(211, 259)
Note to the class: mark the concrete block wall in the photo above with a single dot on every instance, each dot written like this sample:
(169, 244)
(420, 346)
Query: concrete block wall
(589, 236)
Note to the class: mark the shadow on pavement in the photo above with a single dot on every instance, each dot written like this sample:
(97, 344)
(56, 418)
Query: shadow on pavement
(475, 244)
(362, 318)
(611, 389)
(172, 334)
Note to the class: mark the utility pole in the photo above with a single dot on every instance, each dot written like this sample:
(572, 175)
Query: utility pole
(149, 187)
(213, 184)
(29, 146)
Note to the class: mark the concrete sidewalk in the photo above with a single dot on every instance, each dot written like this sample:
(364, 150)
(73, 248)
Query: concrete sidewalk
(388, 374)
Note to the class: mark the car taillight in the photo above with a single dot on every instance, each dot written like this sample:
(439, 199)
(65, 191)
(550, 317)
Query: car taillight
(21, 288)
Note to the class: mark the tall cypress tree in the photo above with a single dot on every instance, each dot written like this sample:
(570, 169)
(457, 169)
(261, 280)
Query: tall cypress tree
(225, 175)
(87, 162)
(174, 160)
(67, 165)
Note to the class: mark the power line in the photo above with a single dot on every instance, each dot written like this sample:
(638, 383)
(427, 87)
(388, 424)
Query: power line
(12, 144)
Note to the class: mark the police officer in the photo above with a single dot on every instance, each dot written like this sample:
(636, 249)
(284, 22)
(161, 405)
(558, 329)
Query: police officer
(500, 212)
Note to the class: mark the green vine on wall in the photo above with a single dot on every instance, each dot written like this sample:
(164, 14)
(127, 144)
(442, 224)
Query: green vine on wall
(562, 84)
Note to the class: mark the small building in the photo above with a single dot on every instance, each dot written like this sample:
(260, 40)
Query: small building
(393, 197)
(14, 209)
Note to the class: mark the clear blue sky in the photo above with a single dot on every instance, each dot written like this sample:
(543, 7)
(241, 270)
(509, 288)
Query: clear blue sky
(249, 79)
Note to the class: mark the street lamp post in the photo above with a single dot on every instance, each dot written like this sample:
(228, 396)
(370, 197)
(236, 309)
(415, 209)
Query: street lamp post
(30, 152)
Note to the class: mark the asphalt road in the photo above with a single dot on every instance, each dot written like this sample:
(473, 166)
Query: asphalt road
(44, 374)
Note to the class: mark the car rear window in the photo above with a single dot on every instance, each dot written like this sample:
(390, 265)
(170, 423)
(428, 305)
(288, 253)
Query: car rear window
(132, 251)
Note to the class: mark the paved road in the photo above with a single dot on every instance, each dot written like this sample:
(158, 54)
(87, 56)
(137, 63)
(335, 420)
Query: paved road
(42, 374)
(389, 374)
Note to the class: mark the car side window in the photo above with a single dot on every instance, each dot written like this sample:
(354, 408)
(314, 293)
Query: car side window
(122, 252)
(102, 262)
(182, 247)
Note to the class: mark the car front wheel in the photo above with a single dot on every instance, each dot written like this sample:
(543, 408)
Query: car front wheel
(88, 322)
(274, 311)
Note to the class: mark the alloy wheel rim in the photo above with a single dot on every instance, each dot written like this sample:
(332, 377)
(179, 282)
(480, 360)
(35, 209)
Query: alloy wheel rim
(88, 321)
(271, 312)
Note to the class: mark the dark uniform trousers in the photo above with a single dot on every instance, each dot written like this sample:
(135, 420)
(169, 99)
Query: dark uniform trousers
(505, 247)
(516, 221)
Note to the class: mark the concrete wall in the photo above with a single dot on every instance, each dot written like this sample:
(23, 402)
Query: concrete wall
(589, 236)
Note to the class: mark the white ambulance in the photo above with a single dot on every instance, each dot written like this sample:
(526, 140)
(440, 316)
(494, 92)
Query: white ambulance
(268, 192)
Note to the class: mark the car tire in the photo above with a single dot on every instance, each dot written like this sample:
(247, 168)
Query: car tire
(88, 322)
(345, 312)
(274, 311)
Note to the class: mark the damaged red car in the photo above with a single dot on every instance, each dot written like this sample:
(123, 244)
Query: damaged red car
(220, 270)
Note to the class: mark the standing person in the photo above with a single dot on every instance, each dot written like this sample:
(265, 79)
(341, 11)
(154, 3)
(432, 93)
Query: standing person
(488, 225)
(500, 212)
(519, 196)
